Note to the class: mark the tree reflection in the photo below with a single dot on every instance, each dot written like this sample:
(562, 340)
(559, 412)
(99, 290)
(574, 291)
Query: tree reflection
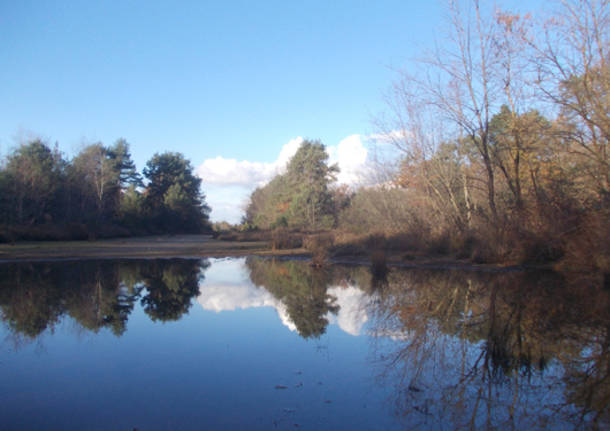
(98, 299)
(30, 300)
(96, 294)
(171, 285)
(301, 288)
(489, 351)
(462, 350)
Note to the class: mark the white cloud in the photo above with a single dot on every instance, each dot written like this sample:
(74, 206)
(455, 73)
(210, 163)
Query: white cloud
(351, 156)
(352, 313)
(226, 201)
(227, 287)
(233, 172)
(287, 152)
(228, 182)
(230, 297)
(391, 137)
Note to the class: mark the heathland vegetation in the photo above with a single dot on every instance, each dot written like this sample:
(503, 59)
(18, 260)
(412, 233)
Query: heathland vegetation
(501, 154)
(502, 143)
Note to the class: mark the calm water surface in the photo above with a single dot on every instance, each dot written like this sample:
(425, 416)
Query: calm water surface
(263, 344)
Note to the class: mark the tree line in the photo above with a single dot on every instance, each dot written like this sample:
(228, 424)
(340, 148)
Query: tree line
(98, 193)
(503, 143)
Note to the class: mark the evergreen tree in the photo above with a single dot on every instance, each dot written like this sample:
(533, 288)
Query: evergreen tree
(301, 197)
(173, 198)
(308, 176)
(124, 165)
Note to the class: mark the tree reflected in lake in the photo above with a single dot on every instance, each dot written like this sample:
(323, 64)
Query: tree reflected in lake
(171, 286)
(302, 288)
(455, 349)
(96, 294)
(495, 351)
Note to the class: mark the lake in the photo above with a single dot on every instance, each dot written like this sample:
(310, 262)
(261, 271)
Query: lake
(253, 343)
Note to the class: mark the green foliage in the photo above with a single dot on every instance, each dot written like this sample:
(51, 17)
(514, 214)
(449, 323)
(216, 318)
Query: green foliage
(173, 198)
(308, 176)
(98, 193)
(123, 165)
(170, 286)
(268, 205)
(300, 198)
(6, 198)
(131, 210)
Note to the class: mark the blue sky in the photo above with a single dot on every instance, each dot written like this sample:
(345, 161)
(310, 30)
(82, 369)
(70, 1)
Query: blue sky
(223, 80)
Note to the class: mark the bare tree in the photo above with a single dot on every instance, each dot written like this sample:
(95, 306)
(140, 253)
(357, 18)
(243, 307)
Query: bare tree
(572, 55)
(464, 83)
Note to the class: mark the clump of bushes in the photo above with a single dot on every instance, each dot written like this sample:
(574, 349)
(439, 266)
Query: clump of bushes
(284, 239)
(244, 236)
(320, 245)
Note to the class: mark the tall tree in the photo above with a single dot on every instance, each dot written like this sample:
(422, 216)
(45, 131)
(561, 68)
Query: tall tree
(574, 75)
(300, 198)
(124, 165)
(308, 176)
(34, 171)
(96, 175)
(464, 83)
(173, 196)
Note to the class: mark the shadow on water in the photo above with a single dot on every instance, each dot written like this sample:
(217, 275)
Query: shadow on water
(459, 350)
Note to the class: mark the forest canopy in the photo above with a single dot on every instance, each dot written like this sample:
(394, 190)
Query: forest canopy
(98, 193)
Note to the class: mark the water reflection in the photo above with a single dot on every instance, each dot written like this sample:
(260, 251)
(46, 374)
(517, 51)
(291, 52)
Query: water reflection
(302, 289)
(511, 351)
(228, 288)
(96, 294)
(458, 349)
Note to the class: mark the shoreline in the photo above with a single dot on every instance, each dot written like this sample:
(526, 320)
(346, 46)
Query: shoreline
(201, 246)
(158, 246)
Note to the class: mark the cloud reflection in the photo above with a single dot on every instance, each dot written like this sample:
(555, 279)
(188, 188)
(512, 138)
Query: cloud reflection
(227, 287)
